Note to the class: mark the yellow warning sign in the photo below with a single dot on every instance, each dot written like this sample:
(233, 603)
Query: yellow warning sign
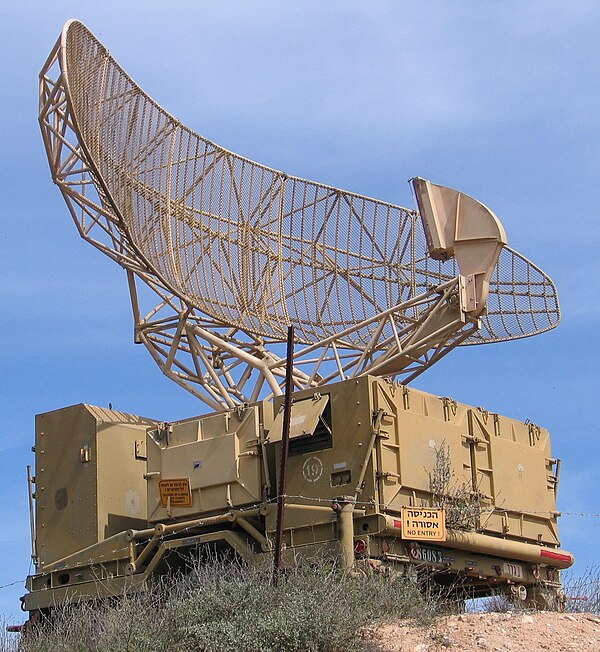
(425, 523)
(177, 490)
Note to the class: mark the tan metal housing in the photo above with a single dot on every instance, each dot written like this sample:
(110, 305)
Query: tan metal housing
(360, 450)
(90, 465)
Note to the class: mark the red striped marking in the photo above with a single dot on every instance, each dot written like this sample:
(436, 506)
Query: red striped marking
(556, 555)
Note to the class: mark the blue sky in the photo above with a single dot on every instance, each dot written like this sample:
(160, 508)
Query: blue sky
(498, 99)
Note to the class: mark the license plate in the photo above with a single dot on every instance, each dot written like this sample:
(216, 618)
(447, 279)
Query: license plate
(514, 570)
(429, 554)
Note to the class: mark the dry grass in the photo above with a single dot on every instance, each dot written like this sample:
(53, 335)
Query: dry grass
(220, 607)
(583, 592)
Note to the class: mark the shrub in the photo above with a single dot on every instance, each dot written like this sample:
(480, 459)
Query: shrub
(224, 606)
(461, 503)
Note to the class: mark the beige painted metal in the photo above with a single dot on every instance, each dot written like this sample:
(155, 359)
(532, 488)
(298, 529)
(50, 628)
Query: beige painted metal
(362, 450)
(306, 416)
(219, 456)
(343, 507)
(460, 226)
(234, 251)
(377, 438)
(508, 548)
(89, 478)
(507, 464)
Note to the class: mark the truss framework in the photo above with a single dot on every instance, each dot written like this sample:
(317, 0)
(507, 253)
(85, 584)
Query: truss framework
(234, 251)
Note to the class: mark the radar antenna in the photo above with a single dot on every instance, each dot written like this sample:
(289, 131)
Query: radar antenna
(222, 253)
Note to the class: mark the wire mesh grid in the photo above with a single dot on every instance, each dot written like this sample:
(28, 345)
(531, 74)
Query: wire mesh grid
(257, 249)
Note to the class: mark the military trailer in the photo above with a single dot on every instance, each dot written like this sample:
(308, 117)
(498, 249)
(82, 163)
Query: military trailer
(223, 258)
(117, 496)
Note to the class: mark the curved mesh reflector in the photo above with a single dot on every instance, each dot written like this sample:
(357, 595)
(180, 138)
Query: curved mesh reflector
(254, 248)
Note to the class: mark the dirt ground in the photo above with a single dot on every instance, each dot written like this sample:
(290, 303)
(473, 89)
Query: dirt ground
(495, 632)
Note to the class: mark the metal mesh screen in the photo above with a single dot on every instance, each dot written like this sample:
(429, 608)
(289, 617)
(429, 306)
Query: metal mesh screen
(253, 247)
